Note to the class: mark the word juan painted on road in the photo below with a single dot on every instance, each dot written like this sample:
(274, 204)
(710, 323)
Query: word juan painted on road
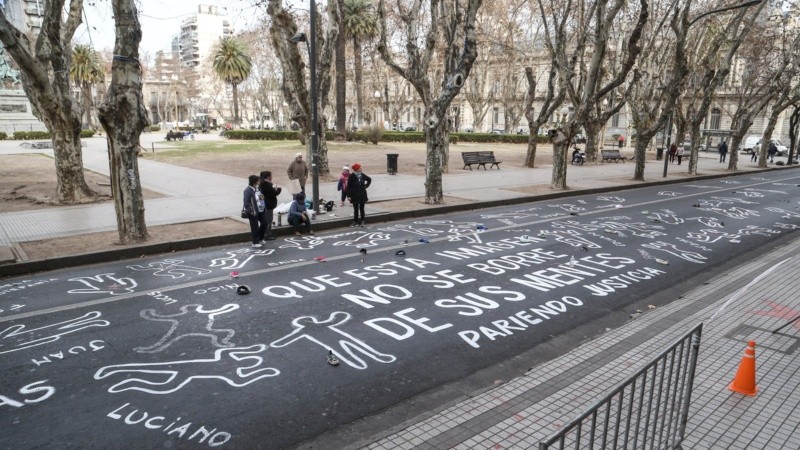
(187, 431)
(94, 346)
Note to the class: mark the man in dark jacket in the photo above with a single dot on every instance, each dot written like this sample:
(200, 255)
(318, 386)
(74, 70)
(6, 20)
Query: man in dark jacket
(357, 185)
(271, 194)
(723, 151)
(253, 208)
(772, 151)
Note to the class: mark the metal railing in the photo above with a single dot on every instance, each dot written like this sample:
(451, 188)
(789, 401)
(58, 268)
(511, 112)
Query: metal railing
(649, 410)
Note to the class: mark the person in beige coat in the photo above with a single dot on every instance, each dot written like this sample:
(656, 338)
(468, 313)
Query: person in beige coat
(298, 170)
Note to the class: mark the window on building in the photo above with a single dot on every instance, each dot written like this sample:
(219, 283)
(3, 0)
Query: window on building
(715, 119)
(615, 120)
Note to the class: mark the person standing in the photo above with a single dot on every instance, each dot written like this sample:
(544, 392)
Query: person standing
(723, 151)
(773, 150)
(621, 141)
(754, 156)
(298, 215)
(271, 194)
(298, 170)
(342, 185)
(679, 153)
(253, 206)
(673, 149)
(357, 184)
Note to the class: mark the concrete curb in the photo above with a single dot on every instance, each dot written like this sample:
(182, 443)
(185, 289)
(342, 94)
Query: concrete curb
(28, 267)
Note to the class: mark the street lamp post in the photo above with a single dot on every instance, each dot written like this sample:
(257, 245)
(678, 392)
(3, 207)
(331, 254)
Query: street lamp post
(311, 42)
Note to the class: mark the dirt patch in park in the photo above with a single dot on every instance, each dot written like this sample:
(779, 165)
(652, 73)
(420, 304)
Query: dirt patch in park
(28, 182)
(373, 159)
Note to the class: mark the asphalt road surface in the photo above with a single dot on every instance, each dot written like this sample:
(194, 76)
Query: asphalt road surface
(162, 352)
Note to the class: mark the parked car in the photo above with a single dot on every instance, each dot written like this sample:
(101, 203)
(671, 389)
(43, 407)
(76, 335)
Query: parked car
(410, 128)
(687, 145)
(498, 131)
(753, 144)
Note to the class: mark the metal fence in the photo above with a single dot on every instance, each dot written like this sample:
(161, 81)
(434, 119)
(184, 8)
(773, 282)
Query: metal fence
(649, 410)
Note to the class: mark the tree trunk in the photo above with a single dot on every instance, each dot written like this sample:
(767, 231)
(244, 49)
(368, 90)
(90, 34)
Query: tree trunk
(794, 120)
(560, 150)
(124, 116)
(592, 129)
(235, 88)
(71, 185)
(436, 140)
(767, 137)
(358, 84)
(341, 78)
(639, 152)
(87, 103)
(530, 155)
(740, 124)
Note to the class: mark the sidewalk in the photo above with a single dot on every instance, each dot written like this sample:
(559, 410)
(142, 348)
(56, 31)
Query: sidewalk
(217, 196)
(526, 410)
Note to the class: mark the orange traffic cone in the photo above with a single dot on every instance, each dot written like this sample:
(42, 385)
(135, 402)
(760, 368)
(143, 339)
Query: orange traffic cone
(745, 381)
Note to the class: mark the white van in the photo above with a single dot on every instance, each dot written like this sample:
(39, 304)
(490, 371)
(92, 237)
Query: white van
(753, 144)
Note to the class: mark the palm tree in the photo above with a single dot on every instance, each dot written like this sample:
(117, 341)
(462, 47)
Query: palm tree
(86, 70)
(360, 23)
(232, 65)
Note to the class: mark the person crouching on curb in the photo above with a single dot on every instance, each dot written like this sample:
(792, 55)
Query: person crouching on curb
(298, 215)
(357, 185)
(342, 186)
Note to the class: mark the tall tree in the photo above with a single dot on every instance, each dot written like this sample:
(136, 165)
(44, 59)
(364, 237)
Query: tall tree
(714, 66)
(86, 71)
(44, 71)
(232, 64)
(341, 77)
(452, 23)
(124, 116)
(295, 88)
(360, 24)
(576, 35)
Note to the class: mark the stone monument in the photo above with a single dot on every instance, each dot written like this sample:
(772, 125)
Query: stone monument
(15, 110)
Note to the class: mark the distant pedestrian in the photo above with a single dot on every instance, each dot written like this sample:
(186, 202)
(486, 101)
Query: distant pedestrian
(673, 149)
(723, 151)
(679, 153)
(298, 215)
(271, 193)
(253, 206)
(342, 186)
(773, 150)
(754, 156)
(357, 184)
(298, 170)
(621, 141)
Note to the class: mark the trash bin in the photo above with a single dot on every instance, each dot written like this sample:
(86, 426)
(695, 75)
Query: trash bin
(659, 153)
(391, 163)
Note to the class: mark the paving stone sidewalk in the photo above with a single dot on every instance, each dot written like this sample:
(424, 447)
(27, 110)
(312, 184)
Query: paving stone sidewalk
(525, 410)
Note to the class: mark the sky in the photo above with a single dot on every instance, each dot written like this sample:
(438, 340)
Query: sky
(160, 19)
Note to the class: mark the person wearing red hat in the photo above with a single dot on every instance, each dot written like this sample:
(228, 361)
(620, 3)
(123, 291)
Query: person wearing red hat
(357, 184)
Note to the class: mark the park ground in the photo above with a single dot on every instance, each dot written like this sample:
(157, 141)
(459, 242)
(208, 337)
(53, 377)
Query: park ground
(28, 180)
